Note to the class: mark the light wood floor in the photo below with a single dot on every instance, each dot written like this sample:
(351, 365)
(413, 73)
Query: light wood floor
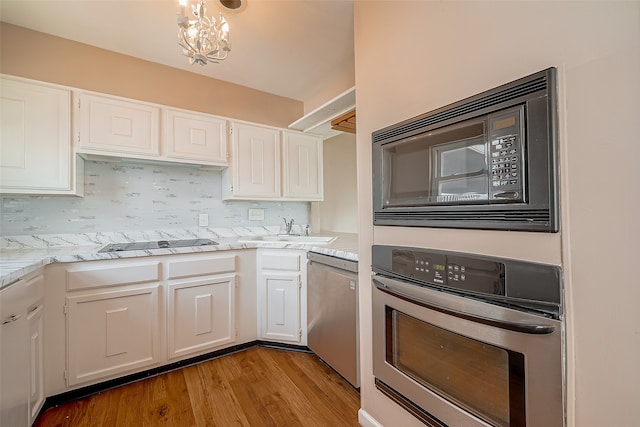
(256, 387)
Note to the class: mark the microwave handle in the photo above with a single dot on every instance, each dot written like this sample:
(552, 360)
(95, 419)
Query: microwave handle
(506, 195)
(386, 285)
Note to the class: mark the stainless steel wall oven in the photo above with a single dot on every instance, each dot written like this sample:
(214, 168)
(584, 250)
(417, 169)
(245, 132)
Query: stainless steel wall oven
(468, 340)
(486, 162)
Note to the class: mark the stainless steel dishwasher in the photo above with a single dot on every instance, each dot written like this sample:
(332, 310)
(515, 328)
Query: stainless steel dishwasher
(332, 313)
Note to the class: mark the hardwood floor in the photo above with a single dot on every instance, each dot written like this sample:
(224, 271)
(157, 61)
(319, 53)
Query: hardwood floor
(255, 387)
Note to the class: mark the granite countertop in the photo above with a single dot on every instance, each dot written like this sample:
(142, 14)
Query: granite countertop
(21, 255)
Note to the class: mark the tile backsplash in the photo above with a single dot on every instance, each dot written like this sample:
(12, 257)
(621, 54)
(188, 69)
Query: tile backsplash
(127, 196)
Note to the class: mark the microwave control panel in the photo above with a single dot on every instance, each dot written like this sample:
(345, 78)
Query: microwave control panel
(506, 155)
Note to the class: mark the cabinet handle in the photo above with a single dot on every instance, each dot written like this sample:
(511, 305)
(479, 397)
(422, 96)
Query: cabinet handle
(34, 311)
(11, 318)
(36, 308)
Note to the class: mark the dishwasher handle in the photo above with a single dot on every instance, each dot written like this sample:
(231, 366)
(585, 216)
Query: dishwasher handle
(331, 261)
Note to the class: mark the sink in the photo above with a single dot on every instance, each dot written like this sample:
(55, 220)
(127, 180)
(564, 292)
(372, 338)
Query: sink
(316, 240)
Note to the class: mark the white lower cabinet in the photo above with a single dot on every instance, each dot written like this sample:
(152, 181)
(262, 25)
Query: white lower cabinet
(201, 315)
(281, 318)
(200, 303)
(112, 318)
(282, 295)
(21, 351)
(111, 332)
(35, 318)
(117, 317)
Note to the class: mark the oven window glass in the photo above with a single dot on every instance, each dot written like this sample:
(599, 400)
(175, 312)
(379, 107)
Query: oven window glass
(448, 165)
(485, 380)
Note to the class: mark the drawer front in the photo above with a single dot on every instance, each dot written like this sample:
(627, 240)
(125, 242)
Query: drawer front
(111, 274)
(201, 266)
(281, 260)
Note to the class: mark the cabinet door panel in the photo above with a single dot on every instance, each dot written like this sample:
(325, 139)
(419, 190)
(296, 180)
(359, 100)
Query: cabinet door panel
(111, 333)
(21, 357)
(118, 126)
(35, 140)
(36, 361)
(281, 320)
(302, 168)
(201, 315)
(14, 351)
(195, 137)
(256, 162)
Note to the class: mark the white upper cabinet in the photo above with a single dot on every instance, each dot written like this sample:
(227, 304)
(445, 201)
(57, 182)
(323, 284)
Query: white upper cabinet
(35, 139)
(269, 164)
(302, 167)
(194, 136)
(255, 167)
(115, 126)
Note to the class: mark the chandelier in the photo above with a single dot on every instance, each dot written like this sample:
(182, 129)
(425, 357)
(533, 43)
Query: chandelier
(202, 39)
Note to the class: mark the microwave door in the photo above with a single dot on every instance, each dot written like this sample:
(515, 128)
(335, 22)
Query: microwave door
(461, 171)
(443, 166)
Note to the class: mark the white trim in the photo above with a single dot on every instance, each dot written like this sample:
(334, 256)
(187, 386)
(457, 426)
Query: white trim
(367, 420)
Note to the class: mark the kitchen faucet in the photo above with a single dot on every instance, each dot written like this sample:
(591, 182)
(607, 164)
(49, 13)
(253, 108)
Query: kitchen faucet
(288, 225)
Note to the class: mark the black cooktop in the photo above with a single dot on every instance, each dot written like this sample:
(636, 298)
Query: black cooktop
(160, 244)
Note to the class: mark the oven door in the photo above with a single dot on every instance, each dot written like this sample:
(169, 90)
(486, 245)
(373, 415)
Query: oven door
(456, 361)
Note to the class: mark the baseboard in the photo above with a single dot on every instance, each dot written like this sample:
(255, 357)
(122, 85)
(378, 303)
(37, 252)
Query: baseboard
(366, 420)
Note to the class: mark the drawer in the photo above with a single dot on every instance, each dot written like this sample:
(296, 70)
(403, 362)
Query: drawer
(281, 260)
(201, 266)
(111, 274)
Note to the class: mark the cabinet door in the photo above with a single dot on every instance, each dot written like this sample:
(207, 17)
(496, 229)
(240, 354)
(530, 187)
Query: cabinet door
(111, 332)
(117, 126)
(14, 354)
(193, 136)
(35, 138)
(36, 361)
(281, 317)
(201, 315)
(256, 162)
(302, 167)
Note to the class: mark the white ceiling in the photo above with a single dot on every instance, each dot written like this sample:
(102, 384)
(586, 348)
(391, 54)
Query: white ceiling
(292, 48)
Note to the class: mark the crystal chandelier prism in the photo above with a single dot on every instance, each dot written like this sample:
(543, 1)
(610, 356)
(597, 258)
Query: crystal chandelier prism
(202, 39)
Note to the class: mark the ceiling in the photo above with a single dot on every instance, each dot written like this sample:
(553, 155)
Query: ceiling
(293, 48)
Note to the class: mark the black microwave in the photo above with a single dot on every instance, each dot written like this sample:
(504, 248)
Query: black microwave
(486, 162)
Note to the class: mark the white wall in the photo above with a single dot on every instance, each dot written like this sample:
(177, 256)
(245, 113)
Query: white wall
(412, 57)
(339, 210)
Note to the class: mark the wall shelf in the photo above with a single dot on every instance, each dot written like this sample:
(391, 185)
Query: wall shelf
(318, 121)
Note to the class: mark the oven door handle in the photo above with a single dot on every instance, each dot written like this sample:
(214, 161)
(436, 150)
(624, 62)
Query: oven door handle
(386, 285)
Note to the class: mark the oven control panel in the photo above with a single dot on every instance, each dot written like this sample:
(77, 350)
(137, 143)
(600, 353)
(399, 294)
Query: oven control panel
(517, 283)
(464, 273)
